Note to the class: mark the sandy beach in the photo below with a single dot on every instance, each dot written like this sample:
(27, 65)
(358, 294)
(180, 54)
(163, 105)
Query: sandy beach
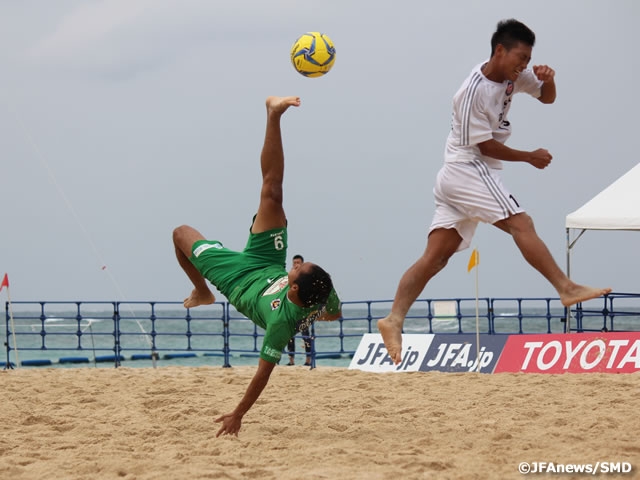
(327, 423)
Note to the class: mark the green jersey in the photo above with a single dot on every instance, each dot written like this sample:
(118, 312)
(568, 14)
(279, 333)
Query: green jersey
(256, 282)
(270, 308)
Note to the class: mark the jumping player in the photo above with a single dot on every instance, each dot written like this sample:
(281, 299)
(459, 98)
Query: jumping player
(468, 187)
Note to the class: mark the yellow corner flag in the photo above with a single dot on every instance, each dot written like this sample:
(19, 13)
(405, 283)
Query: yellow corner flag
(474, 260)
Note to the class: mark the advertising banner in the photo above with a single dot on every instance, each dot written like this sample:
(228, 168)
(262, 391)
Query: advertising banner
(459, 353)
(606, 352)
(372, 356)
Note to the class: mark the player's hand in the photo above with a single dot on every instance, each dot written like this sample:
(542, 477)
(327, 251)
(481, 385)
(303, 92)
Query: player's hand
(540, 158)
(231, 424)
(544, 73)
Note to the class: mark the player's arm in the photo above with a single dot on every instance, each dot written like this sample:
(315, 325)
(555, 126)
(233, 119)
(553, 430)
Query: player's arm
(231, 422)
(539, 158)
(547, 76)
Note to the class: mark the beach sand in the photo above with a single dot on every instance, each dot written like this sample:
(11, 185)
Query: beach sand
(327, 423)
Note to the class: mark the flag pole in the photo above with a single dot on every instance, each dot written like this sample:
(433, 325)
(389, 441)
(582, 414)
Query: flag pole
(474, 261)
(477, 317)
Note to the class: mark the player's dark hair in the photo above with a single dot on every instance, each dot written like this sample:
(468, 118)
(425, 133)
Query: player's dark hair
(314, 286)
(295, 257)
(511, 32)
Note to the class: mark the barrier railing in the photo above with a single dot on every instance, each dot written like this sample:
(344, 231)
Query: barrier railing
(44, 333)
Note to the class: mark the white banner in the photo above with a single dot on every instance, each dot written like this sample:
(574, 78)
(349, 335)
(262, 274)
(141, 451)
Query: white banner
(372, 356)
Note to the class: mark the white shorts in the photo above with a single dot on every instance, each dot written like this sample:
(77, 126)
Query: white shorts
(468, 193)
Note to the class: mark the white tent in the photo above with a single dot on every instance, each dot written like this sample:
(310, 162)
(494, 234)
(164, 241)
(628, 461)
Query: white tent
(617, 207)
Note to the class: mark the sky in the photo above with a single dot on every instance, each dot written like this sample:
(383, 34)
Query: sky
(123, 119)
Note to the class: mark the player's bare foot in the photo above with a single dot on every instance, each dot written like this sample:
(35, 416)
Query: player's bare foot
(391, 331)
(199, 298)
(279, 105)
(580, 293)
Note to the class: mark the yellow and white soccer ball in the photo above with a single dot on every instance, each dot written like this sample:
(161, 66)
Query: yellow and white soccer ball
(313, 54)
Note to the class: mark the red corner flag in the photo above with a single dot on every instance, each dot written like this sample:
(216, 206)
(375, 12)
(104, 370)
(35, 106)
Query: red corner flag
(5, 282)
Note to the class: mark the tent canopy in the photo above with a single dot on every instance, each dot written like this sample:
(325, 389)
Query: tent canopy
(617, 207)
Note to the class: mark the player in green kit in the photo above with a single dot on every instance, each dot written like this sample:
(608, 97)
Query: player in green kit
(255, 280)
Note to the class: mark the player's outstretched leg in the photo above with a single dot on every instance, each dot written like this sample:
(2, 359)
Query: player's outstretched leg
(441, 245)
(199, 297)
(575, 293)
(534, 250)
(183, 238)
(390, 328)
(280, 104)
(270, 210)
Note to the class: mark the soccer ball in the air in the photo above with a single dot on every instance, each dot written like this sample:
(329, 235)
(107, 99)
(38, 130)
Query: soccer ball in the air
(313, 54)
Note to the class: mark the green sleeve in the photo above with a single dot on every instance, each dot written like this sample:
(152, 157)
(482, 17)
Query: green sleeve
(274, 341)
(333, 303)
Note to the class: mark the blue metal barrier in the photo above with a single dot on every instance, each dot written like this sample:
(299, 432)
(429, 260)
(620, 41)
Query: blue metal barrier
(112, 332)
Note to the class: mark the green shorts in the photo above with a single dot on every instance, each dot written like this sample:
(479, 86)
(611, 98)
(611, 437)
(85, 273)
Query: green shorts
(232, 272)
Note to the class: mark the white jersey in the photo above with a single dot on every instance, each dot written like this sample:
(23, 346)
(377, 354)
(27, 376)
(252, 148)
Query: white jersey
(480, 109)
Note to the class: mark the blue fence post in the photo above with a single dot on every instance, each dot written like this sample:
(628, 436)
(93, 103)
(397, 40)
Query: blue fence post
(117, 347)
(188, 333)
(489, 330)
(548, 315)
(459, 315)
(79, 330)
(225, 335)
(116, 344)
(152, 318)
(312, 341)
(430, 316)
(43, 332)
(369, 316)
(605, 313)
(520, 331)
(492, 317)
(8, 365)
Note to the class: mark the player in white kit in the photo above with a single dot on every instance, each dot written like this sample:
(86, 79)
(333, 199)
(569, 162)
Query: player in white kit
(468, 187)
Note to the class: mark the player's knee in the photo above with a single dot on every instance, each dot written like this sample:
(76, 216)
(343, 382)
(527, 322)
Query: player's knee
(184, 233)
(431, 263)
(178, 233)
(440, 262)
(528, 221)
(521, 223)
(272, 192)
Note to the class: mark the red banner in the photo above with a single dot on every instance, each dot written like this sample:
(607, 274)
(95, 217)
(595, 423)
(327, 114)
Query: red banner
(607, 352)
